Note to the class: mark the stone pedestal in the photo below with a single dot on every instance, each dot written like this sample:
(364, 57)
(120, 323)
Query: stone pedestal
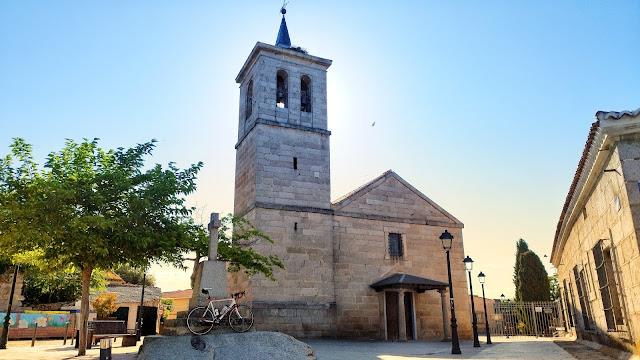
(210, 274)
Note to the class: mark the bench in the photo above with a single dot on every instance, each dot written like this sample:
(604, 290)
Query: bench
(102, 329)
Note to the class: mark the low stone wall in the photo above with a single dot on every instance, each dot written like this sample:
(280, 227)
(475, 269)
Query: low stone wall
(295, 318)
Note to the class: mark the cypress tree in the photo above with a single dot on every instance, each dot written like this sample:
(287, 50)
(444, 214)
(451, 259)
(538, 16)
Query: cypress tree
(521, 247)
(533, 282)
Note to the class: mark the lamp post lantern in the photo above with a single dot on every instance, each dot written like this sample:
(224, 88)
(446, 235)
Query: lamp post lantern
(468, 263)
(481, 277)
(447, 240)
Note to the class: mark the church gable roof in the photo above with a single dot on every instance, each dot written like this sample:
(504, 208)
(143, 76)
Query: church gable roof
(391, 196)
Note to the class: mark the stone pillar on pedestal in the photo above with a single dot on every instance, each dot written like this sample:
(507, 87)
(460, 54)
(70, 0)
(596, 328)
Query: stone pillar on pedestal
(210, 274)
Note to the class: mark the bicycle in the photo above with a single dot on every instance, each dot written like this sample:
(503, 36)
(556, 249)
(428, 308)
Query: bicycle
(202, 318)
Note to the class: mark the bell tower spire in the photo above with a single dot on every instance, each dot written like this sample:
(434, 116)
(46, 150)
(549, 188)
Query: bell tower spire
(283, 34)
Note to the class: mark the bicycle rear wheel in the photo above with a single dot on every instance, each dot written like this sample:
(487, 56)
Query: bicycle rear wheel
(200, 320)
(241, 319)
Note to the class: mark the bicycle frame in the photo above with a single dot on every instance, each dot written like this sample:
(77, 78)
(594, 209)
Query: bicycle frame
(232, 306)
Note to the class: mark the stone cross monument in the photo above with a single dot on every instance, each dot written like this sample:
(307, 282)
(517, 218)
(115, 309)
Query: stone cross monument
(210, 274)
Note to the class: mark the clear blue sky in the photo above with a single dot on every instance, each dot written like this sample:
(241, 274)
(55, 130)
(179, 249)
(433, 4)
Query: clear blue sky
(483, 106)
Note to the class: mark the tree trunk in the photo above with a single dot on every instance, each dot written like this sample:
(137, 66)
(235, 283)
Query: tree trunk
(84, 310)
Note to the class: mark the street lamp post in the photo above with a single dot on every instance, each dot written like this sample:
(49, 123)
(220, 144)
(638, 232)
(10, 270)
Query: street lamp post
(468, 263)
(447, 239)
(7, 318)
(503, 321)
(481, 277)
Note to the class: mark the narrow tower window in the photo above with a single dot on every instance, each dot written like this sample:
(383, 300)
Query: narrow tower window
(249, 101)
(295, 163)
(305, 93)
(282, 90)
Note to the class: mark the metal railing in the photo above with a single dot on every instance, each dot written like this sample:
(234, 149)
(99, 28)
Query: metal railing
(539, 319)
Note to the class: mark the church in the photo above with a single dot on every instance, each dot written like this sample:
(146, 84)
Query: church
(369, 265)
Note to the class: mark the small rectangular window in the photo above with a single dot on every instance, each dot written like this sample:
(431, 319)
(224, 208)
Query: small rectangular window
(395, 246)
(295, 163)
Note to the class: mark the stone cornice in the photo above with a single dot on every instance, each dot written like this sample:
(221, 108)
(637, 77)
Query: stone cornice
(308, 209)
(283, 125)
(278, 51)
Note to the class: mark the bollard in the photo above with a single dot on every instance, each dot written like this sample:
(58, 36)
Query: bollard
(66, 330)
(105, 349)
(35, 330)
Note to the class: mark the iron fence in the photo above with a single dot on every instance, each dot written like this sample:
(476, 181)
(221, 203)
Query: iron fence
(540, 319)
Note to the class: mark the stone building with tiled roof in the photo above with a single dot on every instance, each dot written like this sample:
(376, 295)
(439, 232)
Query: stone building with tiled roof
(596, 249)
(369, 265)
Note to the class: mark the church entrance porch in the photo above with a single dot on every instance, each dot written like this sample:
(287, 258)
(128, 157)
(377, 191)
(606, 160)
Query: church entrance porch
(398, 307)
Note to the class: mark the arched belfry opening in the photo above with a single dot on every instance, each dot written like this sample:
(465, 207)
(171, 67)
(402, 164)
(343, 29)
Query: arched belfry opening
(305, 93)
(249, 100)
(282, 89)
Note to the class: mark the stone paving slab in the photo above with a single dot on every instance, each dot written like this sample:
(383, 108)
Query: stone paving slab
(54, 350)
(582, 351)
(502, 348)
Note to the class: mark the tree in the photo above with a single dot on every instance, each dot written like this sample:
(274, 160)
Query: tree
(237, 249)
(554, 288)
(135, 276)
(521, 247)
(235, 237)
(105, 304)
(95, 209)
(44, 287)
(533, 280)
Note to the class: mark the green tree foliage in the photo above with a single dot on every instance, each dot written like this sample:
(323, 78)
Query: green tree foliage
(236, 236)
(237, 249)
(521, 247)
(168, 307)
(554, 287)
(105, 304)
(533, 280)
(133, 275)
(95, 209)
(44, 287)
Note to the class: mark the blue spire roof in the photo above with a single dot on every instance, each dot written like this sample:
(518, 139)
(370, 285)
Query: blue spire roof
(283, 35)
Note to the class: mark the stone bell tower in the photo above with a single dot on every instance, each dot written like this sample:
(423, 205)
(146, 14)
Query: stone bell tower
(283, 181)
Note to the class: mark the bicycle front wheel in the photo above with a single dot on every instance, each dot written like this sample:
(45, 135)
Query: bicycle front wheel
(241, 318)
(200, 320)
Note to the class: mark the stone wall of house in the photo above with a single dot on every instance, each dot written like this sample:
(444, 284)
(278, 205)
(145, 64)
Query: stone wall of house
(614, 221)
(6, 280)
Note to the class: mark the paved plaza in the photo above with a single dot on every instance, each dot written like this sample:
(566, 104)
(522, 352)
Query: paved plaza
(502, 348)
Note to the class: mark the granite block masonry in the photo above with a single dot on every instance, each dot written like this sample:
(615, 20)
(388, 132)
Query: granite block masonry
(334, 252)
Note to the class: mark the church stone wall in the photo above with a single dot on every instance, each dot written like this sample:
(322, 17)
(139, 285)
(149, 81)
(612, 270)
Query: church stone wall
(277, 182)
(245, 184)
(393, 198)
(301, 302)
(362, 259)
